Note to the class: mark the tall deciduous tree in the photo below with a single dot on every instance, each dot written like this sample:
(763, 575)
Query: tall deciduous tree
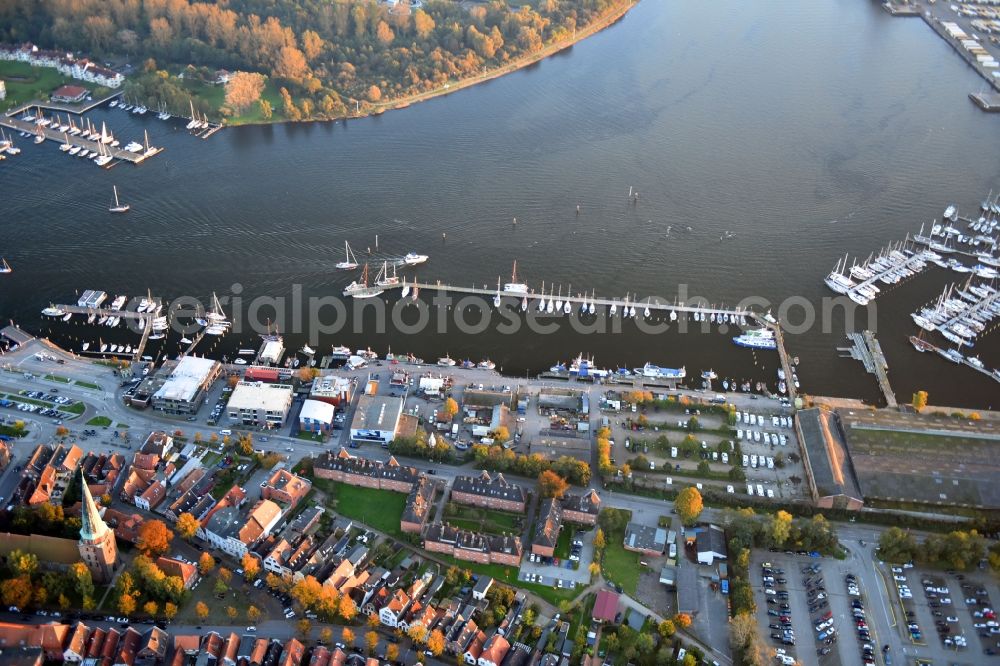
(243, 90)
(154, 538)
(688, 505)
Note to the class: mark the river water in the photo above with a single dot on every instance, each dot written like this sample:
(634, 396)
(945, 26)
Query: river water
(806, 130)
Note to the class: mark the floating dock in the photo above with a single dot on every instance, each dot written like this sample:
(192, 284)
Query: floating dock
(987, 101)
(866, 348)
(61, 137)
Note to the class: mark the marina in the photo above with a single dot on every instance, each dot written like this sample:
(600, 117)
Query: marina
(961, 314)
(889, 266)
(76, 141)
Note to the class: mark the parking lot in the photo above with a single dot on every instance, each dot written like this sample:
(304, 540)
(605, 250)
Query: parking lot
(545, 571)
(767, 443)
(833, 609)
(948, 613)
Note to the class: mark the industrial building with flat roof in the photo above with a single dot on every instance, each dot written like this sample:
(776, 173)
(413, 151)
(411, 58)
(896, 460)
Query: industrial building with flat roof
(260, 404)
(376, 418)
(316, 416)
(829, 471)
(332, 389)
(184, 390)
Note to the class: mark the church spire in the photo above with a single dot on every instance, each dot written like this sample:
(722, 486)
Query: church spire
(92, 527)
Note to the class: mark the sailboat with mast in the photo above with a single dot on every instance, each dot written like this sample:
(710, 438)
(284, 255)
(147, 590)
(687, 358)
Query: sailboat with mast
(360, 289)
(5, 267)
(383, 279)
(350, 262)
(216, 319)
(119, 207)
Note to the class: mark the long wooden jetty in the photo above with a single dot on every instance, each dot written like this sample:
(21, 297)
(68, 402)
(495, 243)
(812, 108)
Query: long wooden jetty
(61, 137)
(866, 348)
(638, 304)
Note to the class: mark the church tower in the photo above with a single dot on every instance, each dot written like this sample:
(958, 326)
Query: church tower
(97, 541)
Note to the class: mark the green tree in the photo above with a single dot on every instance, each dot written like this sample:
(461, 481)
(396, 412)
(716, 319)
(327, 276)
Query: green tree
(897, 546)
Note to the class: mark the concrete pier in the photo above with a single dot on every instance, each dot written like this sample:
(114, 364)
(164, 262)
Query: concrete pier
(866, 348)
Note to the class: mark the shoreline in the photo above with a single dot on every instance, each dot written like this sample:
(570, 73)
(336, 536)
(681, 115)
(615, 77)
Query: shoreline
(552, 49)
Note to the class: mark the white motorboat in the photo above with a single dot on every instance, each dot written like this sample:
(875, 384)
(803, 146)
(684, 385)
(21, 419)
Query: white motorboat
(307, 350)
(412, 258)
(446, 361)
(53, 311)
(360, 288)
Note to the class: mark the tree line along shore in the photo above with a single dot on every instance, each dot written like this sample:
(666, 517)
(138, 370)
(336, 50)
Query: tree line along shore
(250, 61)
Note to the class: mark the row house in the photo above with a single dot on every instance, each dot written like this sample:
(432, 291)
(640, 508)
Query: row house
(180, 497)
(102, 471)
(491, 492)
(55, 474)
(494, 651)
(51, 638)
(356, 471)
(419, 506)
(472, 546)
(475, 648)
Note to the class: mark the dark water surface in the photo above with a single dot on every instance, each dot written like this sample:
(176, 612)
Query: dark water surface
(808, 130)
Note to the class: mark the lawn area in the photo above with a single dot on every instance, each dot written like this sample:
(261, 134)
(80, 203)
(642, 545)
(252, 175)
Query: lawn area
(621, 566)
(76, 408)
(564, 542)
(380, 509)
(215, 96)
(309, 436)
(25, 83)
(102, 421)
(89, 385)
(58, 378)
(484, 520)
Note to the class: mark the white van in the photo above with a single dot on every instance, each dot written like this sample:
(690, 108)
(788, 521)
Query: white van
(673, 451)
(749, 490)
(760, 489)
(226, 432)
(753, 460)
(725, 458)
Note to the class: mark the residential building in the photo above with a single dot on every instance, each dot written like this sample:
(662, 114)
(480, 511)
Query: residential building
(582, 509)
(183, 570)
(605, 606)
(260, 404)
(645, 539)
(472, 546)
(418, 508)
(547, 528)
(76, 649)
(286, 488)
(482, 586)
(492, 492)
(357, 471)
(494, 651)
(235, 532)
(188, 380)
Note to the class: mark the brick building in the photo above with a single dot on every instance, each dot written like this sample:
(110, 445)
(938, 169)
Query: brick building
(490, 492)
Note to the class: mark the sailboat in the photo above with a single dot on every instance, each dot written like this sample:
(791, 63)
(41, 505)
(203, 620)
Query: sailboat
(5, 267)
(515, 286)
(559, 303)
(118, 207)
(383, 279)
(66, 146)
(360, 288)
(592, 308)
(350, 262)
(541, 303)
(194, 124)
(406, 290)
(496, 299)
